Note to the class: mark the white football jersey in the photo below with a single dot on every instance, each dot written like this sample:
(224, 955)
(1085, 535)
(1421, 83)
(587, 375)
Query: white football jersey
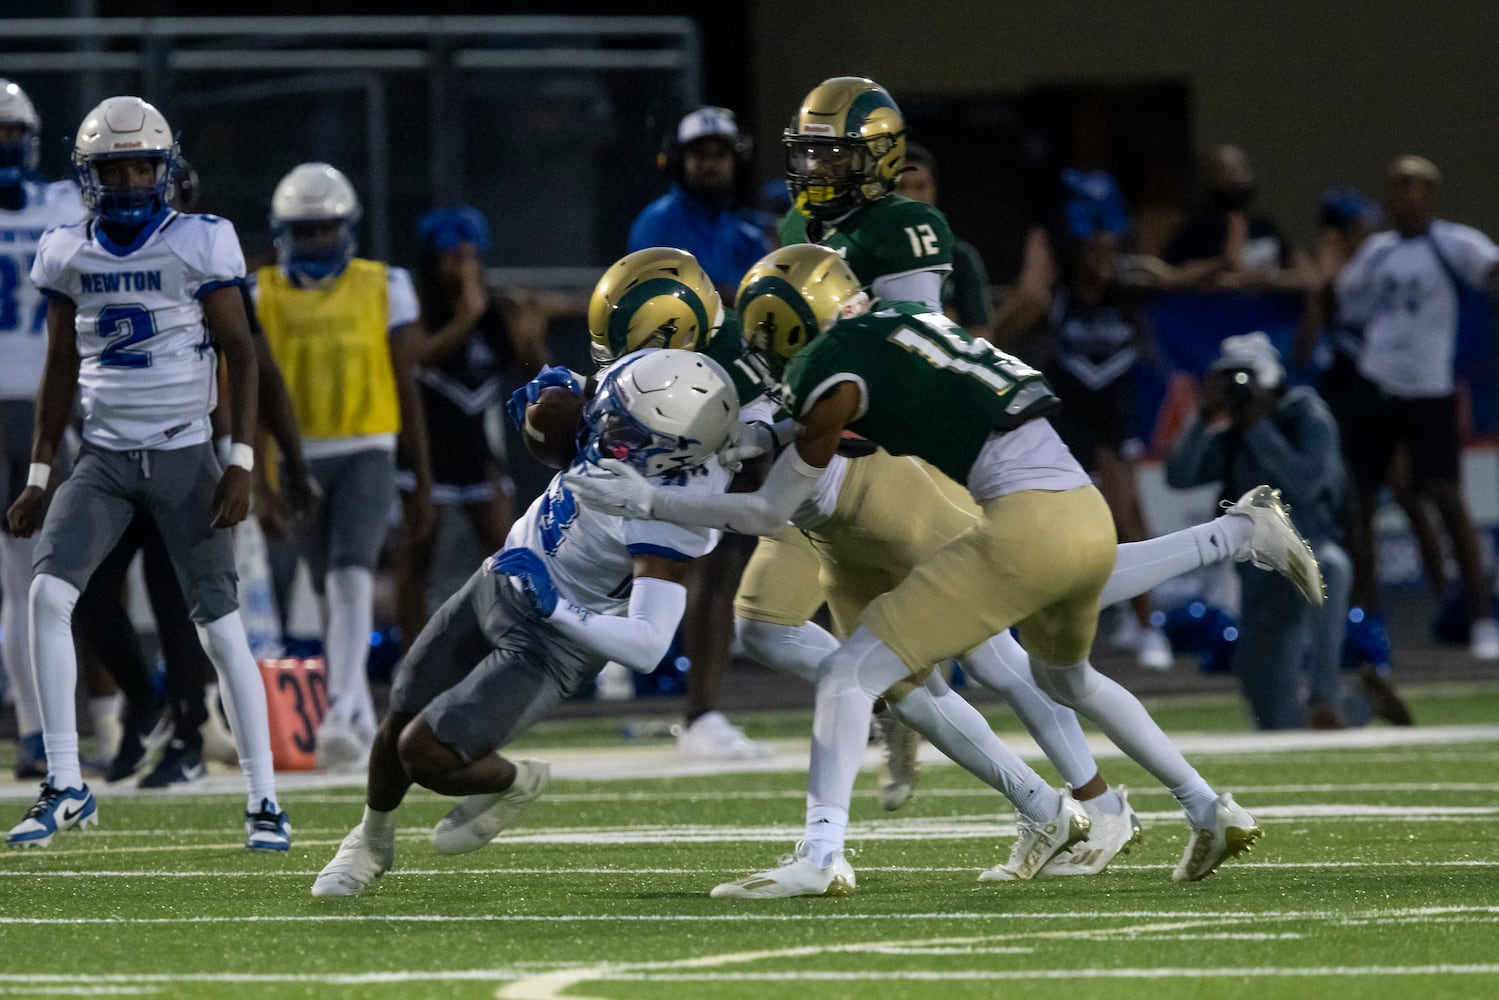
(146, 376)
(23, 308)
(591, 555)
(1405, 297)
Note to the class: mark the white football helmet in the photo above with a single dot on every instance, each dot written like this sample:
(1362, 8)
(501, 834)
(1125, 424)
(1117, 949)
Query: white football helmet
(314, 255)
(124, 128)
(661, 411)
(20, 158)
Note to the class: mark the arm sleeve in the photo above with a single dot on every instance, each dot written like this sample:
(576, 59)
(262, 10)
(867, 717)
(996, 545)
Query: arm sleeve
(1196, 458)
(639, 637)
(913, 286)
(400, 295)
(763, 512)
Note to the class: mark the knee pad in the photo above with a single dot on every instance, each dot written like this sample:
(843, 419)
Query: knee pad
(1068, 685)
(52, 595)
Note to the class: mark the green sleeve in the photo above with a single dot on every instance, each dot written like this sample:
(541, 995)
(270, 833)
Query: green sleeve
(793, 228)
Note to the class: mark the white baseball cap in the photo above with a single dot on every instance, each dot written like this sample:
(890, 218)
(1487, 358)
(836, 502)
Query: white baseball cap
(706, 122)
(1253, 351)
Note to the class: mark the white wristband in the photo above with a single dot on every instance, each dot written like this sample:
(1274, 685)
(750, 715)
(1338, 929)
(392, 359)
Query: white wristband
(39, 476)
(243, 456)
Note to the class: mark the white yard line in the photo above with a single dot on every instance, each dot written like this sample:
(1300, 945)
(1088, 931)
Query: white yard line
(629, 763)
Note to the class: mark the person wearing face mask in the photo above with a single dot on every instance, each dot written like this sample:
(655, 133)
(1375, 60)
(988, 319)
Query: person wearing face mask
(345, 332)
(1226, 225)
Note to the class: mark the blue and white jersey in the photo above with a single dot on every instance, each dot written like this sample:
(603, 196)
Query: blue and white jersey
(146, 375)
(23, 308)
(1404, 292)
(591, 556)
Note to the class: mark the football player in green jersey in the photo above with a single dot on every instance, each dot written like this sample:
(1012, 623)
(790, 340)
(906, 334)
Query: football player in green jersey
(845, 148)
(1037, 558)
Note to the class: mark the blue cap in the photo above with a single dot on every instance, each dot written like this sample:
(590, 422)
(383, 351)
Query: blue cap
(1343, 206)
(446, 228)
(1094, 204)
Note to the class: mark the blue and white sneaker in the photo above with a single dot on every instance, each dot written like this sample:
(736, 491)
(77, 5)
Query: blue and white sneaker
(268, 829)
(56, 810)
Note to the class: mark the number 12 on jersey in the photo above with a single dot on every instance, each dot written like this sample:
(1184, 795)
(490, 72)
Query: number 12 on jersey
(923, 240)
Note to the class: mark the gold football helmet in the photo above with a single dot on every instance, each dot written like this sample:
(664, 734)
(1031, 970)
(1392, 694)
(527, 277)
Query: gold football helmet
(790, 297)
(657, 297)
(846, 146)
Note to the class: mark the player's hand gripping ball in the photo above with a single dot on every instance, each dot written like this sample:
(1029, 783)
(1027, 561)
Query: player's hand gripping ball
(551, 426)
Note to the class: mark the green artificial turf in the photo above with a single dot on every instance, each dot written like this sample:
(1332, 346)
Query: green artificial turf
(1378, 876)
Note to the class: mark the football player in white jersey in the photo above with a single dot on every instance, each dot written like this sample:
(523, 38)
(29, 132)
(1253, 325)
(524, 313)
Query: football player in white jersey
(132, 294)
(28, 207)
(572, 589)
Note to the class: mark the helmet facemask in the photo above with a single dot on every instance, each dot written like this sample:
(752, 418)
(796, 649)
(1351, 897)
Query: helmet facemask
(18, 157)
(313, 252)
(126, 204)
(678, 419)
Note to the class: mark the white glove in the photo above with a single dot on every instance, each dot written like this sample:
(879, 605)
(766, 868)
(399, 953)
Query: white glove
(613, 488)
(746, 442)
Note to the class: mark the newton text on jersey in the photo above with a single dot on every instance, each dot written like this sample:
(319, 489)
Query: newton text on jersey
(120, 281)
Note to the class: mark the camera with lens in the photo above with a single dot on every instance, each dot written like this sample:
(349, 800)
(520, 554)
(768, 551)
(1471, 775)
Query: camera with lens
(1239, 386)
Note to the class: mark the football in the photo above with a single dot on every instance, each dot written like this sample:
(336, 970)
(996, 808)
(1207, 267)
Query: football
(551, 428)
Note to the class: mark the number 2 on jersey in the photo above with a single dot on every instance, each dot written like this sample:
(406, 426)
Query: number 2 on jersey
(123, 326)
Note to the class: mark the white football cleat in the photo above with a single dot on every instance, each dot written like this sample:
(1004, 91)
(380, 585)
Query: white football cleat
(1153, 651)
(1038, 843)
(478, 819)
(339, 747)
(901, 770)
(357, 864)
(712, 735)
(795, 875)
(1275, 544)
(1484, 640)
(1110, 835)
(1233, 832)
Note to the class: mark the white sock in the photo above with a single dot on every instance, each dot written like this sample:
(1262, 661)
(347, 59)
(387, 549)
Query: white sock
(848, 684)
(54, 668)
(1126, 722)
(16, 558)
(244, 700)
(1002, 665)
(1108, 802)
(351, 616)
(1140, 567)
(957, 729)
(104, 712)
(792, 649)
(379, 826)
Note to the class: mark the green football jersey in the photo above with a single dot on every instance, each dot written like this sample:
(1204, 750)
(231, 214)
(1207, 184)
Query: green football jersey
(726, 346)
(893, 235)
(929, 388)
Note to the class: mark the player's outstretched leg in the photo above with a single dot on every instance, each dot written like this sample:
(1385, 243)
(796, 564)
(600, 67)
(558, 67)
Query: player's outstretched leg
(1227, 829)
(368, 851)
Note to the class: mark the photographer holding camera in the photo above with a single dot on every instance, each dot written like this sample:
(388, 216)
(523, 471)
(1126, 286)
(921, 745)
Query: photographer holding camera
(1252, 429)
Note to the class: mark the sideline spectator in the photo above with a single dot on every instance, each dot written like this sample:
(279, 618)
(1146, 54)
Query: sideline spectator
(1094, 313)
(469, 338)
(702, 213)
(1406, 288)
(1252, 429)
(965, 295)
(1226, 226)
